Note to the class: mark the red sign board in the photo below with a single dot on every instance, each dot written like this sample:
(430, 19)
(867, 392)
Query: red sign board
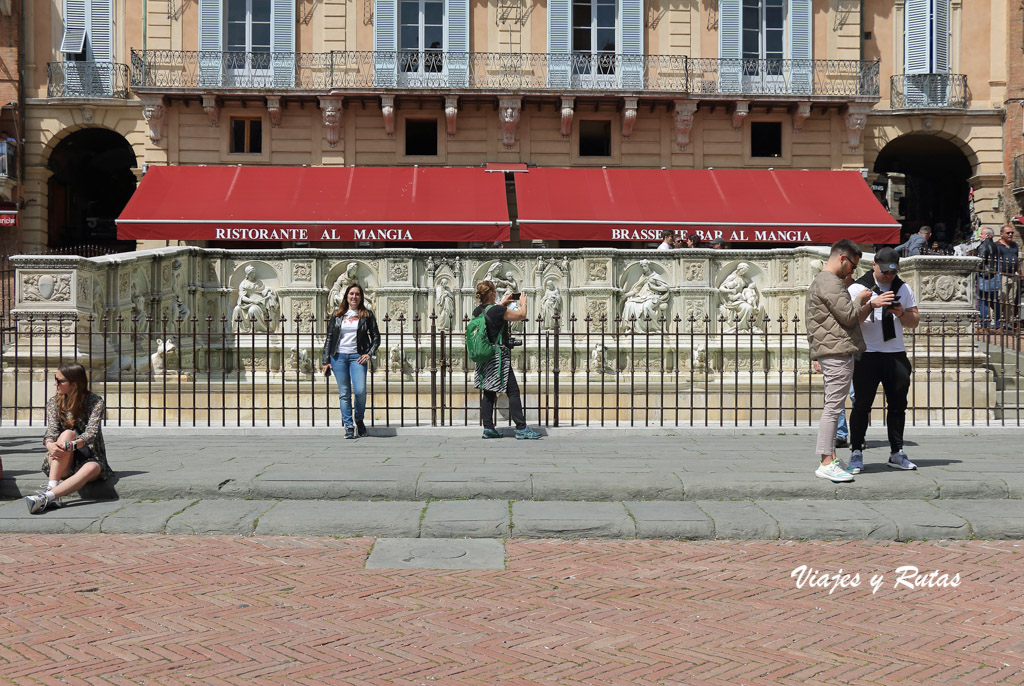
(8, 220)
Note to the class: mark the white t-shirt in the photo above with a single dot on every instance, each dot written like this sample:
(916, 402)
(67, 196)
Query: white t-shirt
(349, 327)
(664, 246)
(872, 327)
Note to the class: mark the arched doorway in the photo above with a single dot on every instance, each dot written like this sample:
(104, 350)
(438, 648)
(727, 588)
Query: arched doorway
(92, 181)
(927, 179)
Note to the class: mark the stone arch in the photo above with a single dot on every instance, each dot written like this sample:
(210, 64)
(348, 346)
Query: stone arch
(92, 177)
(928, 174)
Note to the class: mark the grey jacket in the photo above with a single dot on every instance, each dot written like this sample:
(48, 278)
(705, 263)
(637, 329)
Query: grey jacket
(833, 319)
(914, 245)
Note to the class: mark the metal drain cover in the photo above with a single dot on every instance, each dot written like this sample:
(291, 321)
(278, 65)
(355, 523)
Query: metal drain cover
(437, 553)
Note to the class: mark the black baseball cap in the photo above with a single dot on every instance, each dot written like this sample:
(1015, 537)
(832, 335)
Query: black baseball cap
(887, 259)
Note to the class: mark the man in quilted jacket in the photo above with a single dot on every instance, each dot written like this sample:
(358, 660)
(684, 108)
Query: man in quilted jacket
(833, 328)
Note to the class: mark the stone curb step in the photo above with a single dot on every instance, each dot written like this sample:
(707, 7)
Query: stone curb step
(897, 520)
(877, 482)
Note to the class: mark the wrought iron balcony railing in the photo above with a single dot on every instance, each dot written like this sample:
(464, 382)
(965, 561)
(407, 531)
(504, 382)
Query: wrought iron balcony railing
(86, 80)
(908, 91)
(168, 70)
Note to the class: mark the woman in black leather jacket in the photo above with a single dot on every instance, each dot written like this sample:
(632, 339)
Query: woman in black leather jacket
(352, 339)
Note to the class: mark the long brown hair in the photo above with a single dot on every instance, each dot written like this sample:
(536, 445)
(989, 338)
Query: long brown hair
(483, 291)
(361, 312)
(71, 404)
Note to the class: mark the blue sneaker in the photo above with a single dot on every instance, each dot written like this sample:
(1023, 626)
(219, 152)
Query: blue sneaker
(900, 460)
(492, 433)
(856, 465)
(527, 433)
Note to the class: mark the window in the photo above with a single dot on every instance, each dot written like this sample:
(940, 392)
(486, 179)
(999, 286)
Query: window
(595, 138)
(247, 35)
(421, 137)
(926, 67)
(593, 40)
(420, 37)
(764, 32)
(246, 136)
(766, 139)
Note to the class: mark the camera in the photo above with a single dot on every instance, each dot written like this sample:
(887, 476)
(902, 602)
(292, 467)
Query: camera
(514, 342)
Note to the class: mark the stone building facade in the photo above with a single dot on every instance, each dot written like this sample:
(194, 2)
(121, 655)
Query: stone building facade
(885, 86)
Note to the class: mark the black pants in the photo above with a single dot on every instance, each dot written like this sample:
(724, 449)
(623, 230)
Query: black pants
(892, 370)
(515, 404)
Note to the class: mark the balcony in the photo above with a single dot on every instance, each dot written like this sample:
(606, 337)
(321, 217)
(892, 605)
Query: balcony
(170, 71)
(928, 91)
(86, 80)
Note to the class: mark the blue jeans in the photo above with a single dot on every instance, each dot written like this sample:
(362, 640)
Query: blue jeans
(351, 378)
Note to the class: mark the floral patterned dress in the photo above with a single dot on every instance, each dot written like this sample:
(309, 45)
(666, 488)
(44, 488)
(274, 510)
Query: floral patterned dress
(87, 427)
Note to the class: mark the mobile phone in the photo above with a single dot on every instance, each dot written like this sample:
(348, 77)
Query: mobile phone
(516, 296)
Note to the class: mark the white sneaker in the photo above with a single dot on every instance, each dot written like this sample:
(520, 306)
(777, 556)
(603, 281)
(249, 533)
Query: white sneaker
(833, 471)
(901, 461)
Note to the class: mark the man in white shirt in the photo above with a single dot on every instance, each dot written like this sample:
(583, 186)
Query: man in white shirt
(668, 237)
(892, 309)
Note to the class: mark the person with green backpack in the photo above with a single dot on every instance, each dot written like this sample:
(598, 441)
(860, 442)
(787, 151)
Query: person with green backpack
(489, 345)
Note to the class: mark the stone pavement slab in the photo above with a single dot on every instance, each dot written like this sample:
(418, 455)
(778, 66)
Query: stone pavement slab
(921, 520)
(739, 519)
(343, 518)
(531, 519)
(77, 516)
(472, 518)
(475, 482)
(989, 518)
(828, 520)
(679, 520)
(436, 553)
(143, 517)
(219, 517)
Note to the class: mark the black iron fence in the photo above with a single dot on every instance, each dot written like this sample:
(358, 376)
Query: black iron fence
(201, 372)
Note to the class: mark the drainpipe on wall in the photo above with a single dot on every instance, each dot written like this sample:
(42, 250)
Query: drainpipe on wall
(145, 11)
(19, 116)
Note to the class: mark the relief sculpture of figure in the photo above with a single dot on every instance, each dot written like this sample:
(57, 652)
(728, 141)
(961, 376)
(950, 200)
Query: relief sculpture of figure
(344, 280)
(739, 301)
(444, 303)
(648, 297)
(550, 306)
(258, 307)
(178, 287)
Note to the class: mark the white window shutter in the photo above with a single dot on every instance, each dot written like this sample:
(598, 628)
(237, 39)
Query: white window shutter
(631, 31)
(211, 42)
(456, 42)
(730, 56)
(100, 46)
(101, 30)
(73, 40)
(282, 43)
(801, 46)
(559, 43)
(941, 38)
(917, 37)
(385, 43)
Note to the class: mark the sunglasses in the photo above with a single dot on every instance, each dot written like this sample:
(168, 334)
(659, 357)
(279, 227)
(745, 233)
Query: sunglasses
(59, 381)
(889, 273)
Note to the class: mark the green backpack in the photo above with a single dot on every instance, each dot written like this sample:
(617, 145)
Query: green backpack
(478, 345)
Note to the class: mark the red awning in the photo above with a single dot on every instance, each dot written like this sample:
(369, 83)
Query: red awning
(740, 205)
(389, 204)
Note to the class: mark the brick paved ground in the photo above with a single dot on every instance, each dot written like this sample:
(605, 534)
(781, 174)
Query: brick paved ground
(168, 609)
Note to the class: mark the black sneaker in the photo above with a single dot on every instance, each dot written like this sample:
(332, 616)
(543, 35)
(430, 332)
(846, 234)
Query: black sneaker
(841, 442)
(350, 432)
(361, 428)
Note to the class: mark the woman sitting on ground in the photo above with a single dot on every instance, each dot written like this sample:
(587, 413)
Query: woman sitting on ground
(74, 440)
